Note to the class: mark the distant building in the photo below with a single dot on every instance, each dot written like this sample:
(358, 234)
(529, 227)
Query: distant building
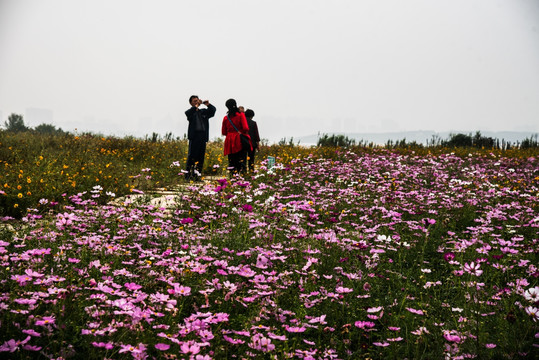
(36, 116)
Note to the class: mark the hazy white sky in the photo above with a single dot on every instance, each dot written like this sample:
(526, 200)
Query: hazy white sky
(304, 66)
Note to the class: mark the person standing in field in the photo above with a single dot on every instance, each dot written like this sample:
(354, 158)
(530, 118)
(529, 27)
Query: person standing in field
(198, 135)
(234, 124)
(255, 137)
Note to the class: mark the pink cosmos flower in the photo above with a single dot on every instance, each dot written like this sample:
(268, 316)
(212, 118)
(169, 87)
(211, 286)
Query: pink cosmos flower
(246, 271)
(182, 290)
(384, 344)
(490, 346)
(21, 279)
(277, 337)
(190, 347)
(13, 345)
(33, 273)
(203, 357)
(318, 320)
(261, 343)
(132, 286)
(31, 332)
(414, 311)
(46, 320)
(295, 329)
(233, 341)
(364, 324)
(162, 347)
(343, 290)
(420, 331)
(31, 347)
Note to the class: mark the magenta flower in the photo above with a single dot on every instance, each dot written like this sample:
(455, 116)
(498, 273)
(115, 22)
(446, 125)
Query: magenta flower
(449, 256)
(452, 336)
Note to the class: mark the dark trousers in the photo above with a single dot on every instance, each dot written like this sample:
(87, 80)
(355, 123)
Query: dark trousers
(237, 162)
(195, 158)
(251, 159)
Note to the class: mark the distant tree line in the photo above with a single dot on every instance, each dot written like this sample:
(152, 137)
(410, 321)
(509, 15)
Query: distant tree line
(455, 140)
(15, 123)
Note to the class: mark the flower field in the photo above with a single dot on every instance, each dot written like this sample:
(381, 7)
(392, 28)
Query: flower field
(353, 254)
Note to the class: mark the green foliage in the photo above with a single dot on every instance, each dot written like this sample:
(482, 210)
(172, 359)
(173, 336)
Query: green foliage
(530, 142)
(463, 140)
(15, 123)
(48, 129)
(335, 141)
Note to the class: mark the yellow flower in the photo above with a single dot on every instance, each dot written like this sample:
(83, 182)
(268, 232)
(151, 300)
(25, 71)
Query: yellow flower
(19, 196)
(16, 206)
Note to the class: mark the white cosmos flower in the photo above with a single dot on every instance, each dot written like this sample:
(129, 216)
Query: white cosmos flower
(532, 294)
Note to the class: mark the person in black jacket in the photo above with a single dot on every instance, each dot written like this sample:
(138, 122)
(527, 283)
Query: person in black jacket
(198, 135)
(255, 137)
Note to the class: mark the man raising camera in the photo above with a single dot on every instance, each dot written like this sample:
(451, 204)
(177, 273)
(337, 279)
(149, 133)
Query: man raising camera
(198, 135)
